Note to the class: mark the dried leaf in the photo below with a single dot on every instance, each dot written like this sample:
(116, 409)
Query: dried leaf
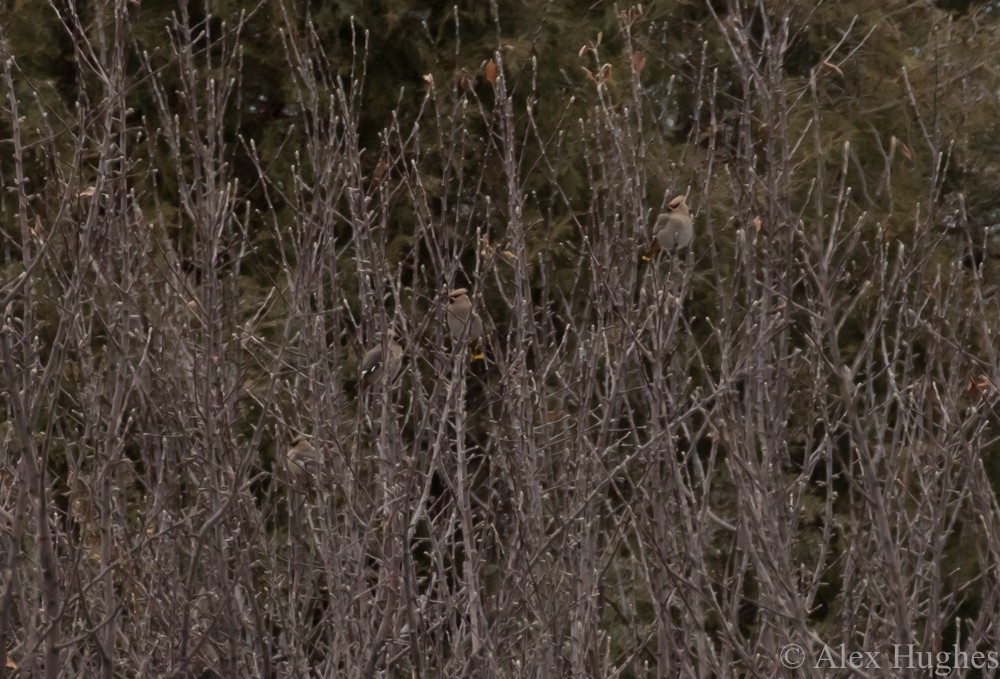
(37, 231)
(381, 170)
(463, 79)
(600, 37)
(87, 192)
(587, 72)
(757, 223)
(509, 256)
(605, 76)
(894, 144)
(977, 387)
(428, 80)
(638, 62)
(832, 67)
(491, 72)
(10, 664)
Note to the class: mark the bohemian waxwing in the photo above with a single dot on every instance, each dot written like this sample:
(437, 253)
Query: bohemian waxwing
(674, 229)
(374, 368)
(301, 454)
(463, 322)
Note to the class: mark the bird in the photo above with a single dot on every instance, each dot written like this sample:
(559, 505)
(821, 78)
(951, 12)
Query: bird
(463, 322)
(301, 453)
(375, 368)
(674, 229)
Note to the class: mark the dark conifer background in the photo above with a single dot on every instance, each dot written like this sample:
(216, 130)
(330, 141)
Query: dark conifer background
(787, 434)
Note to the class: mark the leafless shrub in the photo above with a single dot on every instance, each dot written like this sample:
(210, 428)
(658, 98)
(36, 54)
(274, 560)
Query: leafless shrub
(673, 467)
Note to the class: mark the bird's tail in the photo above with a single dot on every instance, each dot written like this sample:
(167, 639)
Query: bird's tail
(653, 250)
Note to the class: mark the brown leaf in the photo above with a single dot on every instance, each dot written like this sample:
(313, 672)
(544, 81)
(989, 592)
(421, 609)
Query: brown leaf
(977, 386)
(10, 664)
(463, 79)
(756, 224)
(37, 231)
(832, 67)
(605, 75)
(491, 72)
(587, 72)
(638, 61)
(381, 170)
(894, 144)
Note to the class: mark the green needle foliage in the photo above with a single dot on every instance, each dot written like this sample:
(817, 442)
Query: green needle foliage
(663, 464)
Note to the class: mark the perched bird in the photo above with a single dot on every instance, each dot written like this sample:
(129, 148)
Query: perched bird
(375, 367)
(463, 322)
(674, 229)
(301, 454)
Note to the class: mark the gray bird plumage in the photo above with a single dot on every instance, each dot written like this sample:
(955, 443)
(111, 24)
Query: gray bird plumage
(301, 453)
(462, 320)
(674, 229)
(374, 368)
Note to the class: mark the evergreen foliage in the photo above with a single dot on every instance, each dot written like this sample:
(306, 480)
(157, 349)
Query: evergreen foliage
(668, 465)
